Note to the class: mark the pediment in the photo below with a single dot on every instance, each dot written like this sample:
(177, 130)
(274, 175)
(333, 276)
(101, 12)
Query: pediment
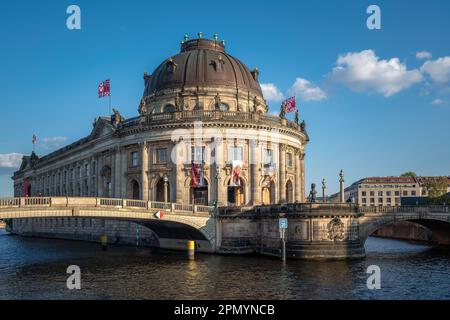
(102, 127)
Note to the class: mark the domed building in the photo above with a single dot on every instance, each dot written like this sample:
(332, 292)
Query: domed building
(203, 134)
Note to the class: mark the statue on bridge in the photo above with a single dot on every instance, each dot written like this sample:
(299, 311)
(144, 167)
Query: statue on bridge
(313, 194)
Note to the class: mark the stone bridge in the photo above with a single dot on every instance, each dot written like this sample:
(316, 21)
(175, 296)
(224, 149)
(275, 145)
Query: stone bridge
(315, 231)
(320, 231)
(44, 216)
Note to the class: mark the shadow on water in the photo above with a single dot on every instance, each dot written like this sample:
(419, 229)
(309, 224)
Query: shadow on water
(36, 269)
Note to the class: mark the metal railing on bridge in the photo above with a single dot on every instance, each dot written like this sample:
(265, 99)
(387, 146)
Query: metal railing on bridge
(101, 202)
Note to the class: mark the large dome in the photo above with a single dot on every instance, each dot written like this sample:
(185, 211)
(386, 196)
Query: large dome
(203, 63)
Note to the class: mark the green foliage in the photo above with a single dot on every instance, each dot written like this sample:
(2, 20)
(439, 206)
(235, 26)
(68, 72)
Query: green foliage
(409, 174)
(436, 188)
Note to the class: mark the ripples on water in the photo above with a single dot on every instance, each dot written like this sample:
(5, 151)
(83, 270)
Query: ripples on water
(35, 269)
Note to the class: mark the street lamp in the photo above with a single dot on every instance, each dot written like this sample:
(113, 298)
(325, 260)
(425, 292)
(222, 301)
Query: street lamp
(166, 184)
(216, 201)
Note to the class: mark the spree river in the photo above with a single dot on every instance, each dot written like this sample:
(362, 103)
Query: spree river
(36, 269)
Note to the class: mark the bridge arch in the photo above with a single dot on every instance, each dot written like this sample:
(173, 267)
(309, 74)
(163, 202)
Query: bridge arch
(439, 225)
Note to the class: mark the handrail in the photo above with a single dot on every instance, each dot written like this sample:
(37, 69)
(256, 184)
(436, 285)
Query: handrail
(32, 202)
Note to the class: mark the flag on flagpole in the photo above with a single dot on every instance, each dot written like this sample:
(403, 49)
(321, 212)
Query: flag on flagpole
(289, 105)
(104, 89)
(34, 138)
(195, 175)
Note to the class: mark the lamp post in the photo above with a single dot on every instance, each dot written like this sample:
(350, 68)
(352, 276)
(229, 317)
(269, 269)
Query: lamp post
(216, 201)
(166, 184)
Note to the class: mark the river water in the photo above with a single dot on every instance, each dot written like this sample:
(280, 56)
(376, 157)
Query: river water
(36, 269)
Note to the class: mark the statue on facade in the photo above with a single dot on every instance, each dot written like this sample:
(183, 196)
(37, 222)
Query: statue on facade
(117, 118)
(303, 126)
(256, 103)
(178, 102)
(297, 117)
(313, 194)
(143, 107)
(217, 101)
(283, 111)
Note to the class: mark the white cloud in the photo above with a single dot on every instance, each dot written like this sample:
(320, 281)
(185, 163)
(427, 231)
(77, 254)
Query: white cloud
(53, 142)
(423, 55)
(307, 91)
(438, 70)
(364, 71)
(271, 92)
(10, 160)
(437, 102)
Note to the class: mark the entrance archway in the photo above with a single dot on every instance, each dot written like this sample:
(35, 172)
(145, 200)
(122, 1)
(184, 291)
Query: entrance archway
(289, 192)
(162, 188)
(199, 195)
(135, 190)
(268, 193)
(235, 192)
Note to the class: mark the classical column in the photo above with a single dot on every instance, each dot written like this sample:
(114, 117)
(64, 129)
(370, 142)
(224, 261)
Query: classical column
(255, 162)
(221, 192)
(302, 172)
(341, 189)
(99, 176)
(144, 171)
(298, 177)
(117, 172)
(282, 170)
(178, 156)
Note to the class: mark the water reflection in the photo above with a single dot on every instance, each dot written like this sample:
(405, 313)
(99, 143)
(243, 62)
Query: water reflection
(35, 269)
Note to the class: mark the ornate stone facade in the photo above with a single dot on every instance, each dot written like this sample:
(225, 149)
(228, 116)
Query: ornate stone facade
(202, 113)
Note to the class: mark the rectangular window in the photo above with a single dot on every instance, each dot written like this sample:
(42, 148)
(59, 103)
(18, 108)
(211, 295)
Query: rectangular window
(372, 193)
(397, 193)
(380, 193)
(388, 193)
(363, 193)
(198, 154)
(161, 155)
(364, 200)
(388, 200)
(267, 157)
(235, 154)
(134, 159)
(380, 200)
(372, 200)
(413, 193)
(405, 193)
(289, 159)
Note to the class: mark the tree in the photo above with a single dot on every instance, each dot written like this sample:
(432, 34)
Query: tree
(436, 187)
(409, 174)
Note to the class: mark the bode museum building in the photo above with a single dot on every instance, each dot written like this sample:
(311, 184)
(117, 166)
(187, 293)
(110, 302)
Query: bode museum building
(203, 134)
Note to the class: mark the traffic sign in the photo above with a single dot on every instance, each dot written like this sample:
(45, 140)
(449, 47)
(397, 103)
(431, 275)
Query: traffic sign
(283, 223)
(159, 214)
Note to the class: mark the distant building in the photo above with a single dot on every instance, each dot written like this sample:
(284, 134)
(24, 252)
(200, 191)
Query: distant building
(386, 191)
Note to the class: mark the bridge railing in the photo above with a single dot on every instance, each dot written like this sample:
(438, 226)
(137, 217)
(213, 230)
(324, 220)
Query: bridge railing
(405, 209)
(6, 203)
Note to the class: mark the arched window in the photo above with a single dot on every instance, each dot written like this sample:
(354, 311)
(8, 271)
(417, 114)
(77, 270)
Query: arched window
(169, 108)
(223, 107)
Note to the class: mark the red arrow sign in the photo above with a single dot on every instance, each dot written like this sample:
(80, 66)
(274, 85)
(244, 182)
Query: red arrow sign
(159, 214)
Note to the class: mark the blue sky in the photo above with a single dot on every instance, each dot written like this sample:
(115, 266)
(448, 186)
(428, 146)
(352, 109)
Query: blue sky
(372, 104)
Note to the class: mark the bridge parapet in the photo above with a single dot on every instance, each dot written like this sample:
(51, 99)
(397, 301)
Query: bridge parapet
(49, 202)
(405, 209)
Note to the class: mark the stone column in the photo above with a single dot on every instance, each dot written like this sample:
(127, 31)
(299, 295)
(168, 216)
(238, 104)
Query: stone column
(302, 172)
(219, 164)
(144, 171)
(298, 177)
(117, 175)
(341, 189)
(282, 170)
(255, 162)
(178, 156)
(99, 177)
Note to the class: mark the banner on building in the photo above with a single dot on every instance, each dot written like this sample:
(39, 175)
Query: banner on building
(236, 173)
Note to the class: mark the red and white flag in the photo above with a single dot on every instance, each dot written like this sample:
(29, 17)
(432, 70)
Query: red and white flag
(195, 175)
(34, 138)
(289, 105)
(104, 89)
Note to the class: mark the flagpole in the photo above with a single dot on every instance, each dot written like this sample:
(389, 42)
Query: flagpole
(110, 111)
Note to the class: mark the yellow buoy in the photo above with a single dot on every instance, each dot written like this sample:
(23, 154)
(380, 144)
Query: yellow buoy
(191, 249)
